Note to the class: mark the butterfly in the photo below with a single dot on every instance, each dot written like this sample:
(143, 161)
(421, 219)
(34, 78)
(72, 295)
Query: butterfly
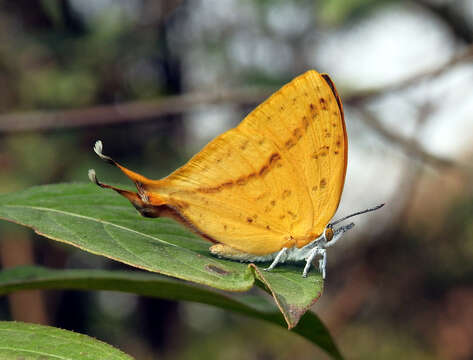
(265, 190)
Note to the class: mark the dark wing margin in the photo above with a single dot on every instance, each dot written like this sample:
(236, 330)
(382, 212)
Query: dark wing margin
(330, 83)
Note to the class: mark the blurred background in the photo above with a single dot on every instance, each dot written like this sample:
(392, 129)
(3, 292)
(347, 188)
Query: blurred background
(156, 80)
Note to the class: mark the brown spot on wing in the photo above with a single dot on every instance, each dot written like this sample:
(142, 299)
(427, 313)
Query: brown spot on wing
(305, 122)
(243, 180)
(289, 143)
(228, 184)
(210, 190)
(324, 150)
(244, 145)
(313, 111)
(323, 104)
(261, 196)
(297, 133)
(274, 157)
(286, 193)
(323, 183)
(264, 170)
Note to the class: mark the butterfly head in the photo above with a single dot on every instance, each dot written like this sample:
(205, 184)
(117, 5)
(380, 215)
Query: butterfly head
(328, 233)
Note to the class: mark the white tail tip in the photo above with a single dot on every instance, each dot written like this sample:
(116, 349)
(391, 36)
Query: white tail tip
(92, 176)
(98, 147)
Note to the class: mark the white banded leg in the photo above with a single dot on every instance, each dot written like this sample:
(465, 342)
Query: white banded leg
(322, 262)
(277, 259)
(308, 260)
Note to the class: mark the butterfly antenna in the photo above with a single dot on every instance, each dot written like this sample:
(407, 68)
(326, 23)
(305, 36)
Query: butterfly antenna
(357, 213)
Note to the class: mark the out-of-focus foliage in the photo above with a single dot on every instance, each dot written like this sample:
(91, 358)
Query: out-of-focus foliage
(145, 284)
(48, 342)
(399, 287)
(336, 12)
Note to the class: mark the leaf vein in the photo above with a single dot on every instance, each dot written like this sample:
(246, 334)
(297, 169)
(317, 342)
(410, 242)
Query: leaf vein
(91, 219)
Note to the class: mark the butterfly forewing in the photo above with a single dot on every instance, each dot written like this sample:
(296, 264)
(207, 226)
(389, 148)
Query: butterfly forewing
(275, 180)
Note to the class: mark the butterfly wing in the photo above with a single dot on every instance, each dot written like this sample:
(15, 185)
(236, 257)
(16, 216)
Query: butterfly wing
(273, 181)
(305, 121)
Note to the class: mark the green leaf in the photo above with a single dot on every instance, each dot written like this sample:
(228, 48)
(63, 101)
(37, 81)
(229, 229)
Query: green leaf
(103, 223)
(31, 342)
(291, 294)
(336, 12)
(30, 277)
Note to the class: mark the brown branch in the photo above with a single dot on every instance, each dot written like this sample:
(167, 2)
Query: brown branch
(456, 21)
(121, 113)
(150, 110)
(410, 146)
(359, 97)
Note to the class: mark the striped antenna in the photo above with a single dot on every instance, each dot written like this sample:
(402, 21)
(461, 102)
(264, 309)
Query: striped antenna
(354, 214)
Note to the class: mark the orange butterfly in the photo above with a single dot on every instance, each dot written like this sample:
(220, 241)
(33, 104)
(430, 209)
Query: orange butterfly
(267, 189)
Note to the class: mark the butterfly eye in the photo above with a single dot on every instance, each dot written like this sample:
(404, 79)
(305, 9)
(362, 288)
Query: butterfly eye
(328, 233)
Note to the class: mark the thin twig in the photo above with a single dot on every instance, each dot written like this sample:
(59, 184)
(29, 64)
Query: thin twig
(462, 57)
(121, 113)
(458, 23)
(412, 148)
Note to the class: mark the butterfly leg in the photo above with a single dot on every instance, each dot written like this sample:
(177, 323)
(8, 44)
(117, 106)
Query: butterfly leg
(322, 262)
(277, 259)
(309, 259)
